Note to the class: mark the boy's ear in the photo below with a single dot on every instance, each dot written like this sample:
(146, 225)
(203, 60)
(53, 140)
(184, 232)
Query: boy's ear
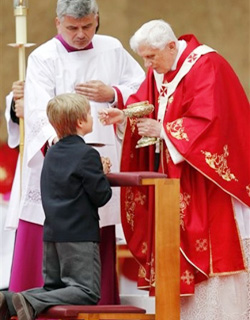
(79, 123)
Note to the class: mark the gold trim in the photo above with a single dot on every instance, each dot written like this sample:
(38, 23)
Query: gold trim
(226, 273)
(240, 239)
(196, 267)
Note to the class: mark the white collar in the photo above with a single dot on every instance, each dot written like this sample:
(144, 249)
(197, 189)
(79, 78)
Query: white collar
(182, 44)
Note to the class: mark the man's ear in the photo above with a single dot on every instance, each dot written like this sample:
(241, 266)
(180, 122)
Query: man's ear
(172, 45)
(57, 22)
(97, 22)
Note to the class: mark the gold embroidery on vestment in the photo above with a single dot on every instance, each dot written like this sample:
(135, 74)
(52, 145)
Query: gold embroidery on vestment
(176, 130)
(201, 245)
(140, 198)
(168, 157)
(133, 122)
(130, 207)
(170, 99)
(219, 163)
(184, 202)
(152, 275)
(131, 199)
(187, 277)
(152, 270)
(144, 248)
(141, 272)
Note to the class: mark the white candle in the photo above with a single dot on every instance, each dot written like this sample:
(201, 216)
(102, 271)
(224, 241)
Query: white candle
(21, 29)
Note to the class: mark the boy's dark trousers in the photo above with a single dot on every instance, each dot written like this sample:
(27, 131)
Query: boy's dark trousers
(72, 273)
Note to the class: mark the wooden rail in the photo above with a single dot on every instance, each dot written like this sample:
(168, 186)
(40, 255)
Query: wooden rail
(167, 233)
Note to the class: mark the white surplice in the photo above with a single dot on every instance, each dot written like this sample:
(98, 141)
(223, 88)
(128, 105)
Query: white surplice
(52, 70)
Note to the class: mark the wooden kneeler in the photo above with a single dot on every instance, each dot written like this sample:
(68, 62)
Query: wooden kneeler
(110, 312)
(167, 261)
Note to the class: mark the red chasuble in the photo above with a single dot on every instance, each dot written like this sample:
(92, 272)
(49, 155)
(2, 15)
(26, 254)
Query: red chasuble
(207, 120)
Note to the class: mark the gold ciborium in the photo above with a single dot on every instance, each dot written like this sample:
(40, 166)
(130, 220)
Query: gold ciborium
(139, 110)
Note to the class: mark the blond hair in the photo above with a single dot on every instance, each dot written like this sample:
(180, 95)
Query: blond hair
(64, 110)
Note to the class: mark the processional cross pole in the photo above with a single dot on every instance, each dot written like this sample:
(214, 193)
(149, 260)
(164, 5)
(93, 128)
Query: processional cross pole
(20, 13)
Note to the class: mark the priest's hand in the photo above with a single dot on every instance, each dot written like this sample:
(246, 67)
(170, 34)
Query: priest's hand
(106, 163)
(96, 90)
(111, 116)
(149, 127)
(18, 90)
(18, 108)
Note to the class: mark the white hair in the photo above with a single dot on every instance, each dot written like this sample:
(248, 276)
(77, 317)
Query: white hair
(155, 33)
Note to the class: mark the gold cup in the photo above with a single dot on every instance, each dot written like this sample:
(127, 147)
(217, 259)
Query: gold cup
(139, 110)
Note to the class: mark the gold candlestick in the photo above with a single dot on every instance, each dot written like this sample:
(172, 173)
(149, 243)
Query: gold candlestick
(20, 13)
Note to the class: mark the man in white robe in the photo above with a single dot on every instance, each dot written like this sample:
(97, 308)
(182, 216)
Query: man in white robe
(49, 76)
(77, 60)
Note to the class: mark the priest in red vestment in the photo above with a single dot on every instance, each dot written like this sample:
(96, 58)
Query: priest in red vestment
(201, 121)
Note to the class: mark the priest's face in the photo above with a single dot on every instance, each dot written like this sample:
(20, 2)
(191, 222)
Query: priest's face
(161, 60)
(78, 33)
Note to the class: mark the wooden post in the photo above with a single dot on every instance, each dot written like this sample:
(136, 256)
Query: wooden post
(167, 243)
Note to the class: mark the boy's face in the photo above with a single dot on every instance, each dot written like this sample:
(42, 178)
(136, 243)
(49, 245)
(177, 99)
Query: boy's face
(89, 123)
